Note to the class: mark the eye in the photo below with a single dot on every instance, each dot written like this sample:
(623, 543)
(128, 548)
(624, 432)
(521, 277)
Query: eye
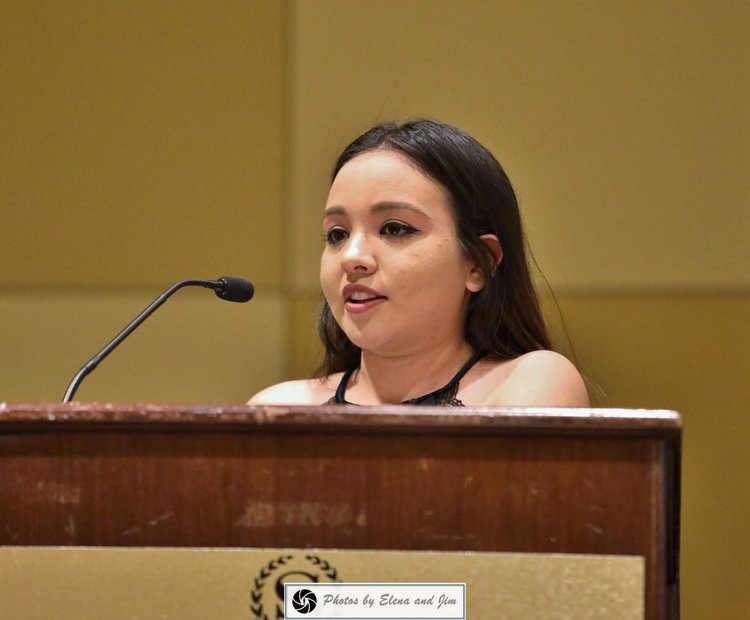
(335, 235)
(397, 229)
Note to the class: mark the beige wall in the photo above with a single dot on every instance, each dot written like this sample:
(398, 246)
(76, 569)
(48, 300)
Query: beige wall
(146, 142)
(141, 144)
(625, 127)
(129, 152)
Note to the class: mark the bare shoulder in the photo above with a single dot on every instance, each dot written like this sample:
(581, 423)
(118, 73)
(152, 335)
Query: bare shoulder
(539, 379)
(301, 392)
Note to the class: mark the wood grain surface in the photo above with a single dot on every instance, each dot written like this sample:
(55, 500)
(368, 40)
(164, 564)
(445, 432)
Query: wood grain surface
(549, 481)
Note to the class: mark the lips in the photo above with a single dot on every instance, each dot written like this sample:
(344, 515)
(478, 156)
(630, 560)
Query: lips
(359, 298)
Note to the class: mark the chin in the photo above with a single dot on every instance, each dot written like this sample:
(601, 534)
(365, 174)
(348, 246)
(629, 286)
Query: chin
(365, 339)
(383, 346)
(359, 339)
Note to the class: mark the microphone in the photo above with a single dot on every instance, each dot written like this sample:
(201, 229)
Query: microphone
(227, 287)
(232, 289)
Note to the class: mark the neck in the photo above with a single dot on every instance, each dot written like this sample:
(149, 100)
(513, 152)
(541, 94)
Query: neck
(393, 379)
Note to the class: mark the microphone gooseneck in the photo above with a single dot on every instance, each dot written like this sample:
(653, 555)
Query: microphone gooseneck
(229, 288)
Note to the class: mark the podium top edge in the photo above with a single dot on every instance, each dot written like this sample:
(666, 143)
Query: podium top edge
(341, 417)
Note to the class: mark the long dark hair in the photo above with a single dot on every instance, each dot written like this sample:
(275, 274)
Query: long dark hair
(504, 319)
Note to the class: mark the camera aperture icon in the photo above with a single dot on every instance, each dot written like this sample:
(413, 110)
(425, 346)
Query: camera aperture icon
(304, 601)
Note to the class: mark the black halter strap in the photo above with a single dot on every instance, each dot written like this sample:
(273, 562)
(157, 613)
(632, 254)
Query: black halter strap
(441, 396)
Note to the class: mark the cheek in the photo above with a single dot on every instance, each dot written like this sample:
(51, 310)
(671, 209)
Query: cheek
(433, 270)
(445, 260)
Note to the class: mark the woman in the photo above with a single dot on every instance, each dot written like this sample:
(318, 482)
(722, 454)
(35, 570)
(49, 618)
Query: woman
(428, 294)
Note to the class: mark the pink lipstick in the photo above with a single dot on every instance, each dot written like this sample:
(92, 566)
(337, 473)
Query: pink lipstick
(359, 298)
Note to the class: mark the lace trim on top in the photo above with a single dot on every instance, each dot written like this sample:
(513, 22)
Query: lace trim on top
(443, 397)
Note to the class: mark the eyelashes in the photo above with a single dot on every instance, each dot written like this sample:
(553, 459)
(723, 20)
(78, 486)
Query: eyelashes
(390, 230)
(397, 229)
(335, 235)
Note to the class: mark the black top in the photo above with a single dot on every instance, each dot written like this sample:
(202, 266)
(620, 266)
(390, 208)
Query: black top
(445, 396)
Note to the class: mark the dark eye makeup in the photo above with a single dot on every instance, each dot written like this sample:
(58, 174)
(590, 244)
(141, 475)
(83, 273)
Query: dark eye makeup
(397, 229)
(391, 230)
(335, 235)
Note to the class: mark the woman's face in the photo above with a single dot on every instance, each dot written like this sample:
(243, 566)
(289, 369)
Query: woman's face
(392, 270)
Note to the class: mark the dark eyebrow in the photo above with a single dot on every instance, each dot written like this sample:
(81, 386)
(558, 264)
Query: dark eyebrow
(333, 211)
(378, 207)
(396, 206)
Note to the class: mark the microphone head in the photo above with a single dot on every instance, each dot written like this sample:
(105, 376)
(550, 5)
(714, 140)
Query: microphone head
(236, 289)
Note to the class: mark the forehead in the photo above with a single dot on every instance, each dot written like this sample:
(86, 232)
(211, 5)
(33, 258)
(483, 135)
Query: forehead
(385, 176)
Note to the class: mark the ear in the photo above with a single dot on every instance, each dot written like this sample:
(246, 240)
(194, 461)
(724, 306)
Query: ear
(476, 279)
(493, 243)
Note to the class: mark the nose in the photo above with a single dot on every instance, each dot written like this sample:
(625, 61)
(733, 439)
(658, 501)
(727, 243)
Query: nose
(358, 257)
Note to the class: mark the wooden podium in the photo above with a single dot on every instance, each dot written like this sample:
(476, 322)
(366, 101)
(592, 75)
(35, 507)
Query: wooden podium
(593, 481)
